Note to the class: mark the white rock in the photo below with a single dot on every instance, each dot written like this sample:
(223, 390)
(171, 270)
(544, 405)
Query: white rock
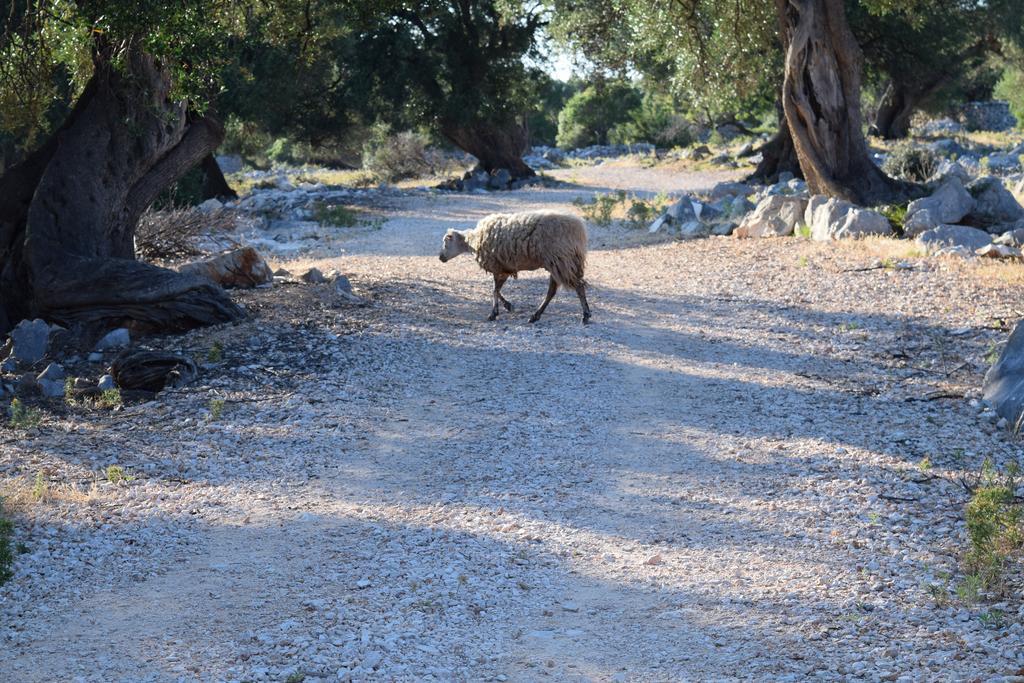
(115, 339)
(775, 216)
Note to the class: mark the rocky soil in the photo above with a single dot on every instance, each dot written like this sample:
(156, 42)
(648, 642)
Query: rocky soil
(747, 467)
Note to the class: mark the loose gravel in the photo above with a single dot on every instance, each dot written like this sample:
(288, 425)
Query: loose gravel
(724, 477)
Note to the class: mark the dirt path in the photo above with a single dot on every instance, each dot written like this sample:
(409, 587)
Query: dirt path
(717, 479)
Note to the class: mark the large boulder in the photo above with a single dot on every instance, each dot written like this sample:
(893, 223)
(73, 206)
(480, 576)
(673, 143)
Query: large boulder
(33, 340)
(775, 216)
(945, 236)
(994, 205)
(238, 268)
(833, 219)
(948, 204)
(1004, 381)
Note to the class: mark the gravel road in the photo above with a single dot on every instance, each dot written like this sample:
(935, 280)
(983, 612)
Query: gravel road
(722, 478)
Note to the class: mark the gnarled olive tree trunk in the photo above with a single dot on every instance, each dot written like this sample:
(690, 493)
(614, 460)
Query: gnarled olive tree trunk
(68, 212)
(892, 118)
(494, 145)
(821, 99)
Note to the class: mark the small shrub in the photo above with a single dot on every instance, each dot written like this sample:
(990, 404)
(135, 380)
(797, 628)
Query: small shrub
(216, 409)
(23, 416)
(111, 398)
(393, 157)
(897, 215)
(6, 551)
(334, 214)
(600, 208)
(911, 162)
(216, 353)
(803, 230)
(40, 488)
(116, 474)
(994, 526)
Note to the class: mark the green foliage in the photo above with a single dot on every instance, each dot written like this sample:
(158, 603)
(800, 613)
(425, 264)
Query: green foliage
(392, 157)
(543, 117)
(591, 114)
(40, 487)
(1011, 88)
(994, 526)
(897, 215)
(655, 121)
(216, 409)
(911, 162)
(334, 214)
(111, 398)
(216, 352)
(23, 416)
(603, 208)
(116, 474)
(6, 549)
(185, 193)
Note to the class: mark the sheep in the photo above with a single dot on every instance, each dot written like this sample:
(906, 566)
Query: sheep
(505, 244)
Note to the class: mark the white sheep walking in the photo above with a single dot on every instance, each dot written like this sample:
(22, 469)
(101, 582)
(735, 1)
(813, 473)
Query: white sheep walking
(506, 243)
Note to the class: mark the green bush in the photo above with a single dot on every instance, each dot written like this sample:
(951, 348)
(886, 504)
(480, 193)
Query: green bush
(591, 114)
(1011, 88)
(995, 525)
(392, 157)
(655, 121)
(911, 162)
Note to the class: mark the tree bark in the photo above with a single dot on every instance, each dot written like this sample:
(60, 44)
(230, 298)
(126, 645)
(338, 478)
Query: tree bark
(493, 145)
(821, 99)
(892, 119)
(68, 212)
(215, 185)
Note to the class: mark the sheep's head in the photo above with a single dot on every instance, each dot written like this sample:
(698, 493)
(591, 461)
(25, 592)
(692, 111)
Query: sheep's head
(454, 244)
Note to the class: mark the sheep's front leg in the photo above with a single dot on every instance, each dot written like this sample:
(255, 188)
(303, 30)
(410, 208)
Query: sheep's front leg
(552, 288)
(498, 284)
(499, 280)
(581, 292)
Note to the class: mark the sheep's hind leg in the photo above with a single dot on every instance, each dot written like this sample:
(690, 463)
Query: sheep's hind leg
(499, 280)
(552, 288)
(581, 292)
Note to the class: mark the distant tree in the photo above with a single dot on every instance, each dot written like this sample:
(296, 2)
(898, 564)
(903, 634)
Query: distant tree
(542, 119)
(591, 114)
(458, 66)
(921, 56)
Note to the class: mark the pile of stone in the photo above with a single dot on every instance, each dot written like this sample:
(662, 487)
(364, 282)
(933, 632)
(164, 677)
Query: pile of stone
(478, 180)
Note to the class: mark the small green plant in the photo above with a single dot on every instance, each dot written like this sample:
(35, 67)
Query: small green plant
(802, 262)
(874, 517)
(897, 215)
(803, 230)
(111, 398)
(599, 210)
(993, 618)
(969, 590)
(216, 353)
(992, 354)
(849, 326)
(40, 487)
(23, 416)
(216, 409)
(995, 526)
(296, 677)
(69, 390)
(116, 474)
(925, 464)
(939, 593)
(6, 551)
(334, 214)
